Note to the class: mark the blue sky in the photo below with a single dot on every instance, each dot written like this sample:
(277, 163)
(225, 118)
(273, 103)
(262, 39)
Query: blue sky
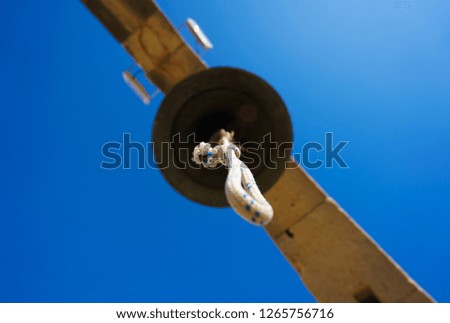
(374, 75)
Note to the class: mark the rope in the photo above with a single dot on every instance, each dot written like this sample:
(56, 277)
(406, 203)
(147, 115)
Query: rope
(241, 190)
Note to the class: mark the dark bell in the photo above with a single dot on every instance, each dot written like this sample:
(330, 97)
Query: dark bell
(202, 104)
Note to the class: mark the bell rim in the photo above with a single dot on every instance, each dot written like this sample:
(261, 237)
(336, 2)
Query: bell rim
(179, 95)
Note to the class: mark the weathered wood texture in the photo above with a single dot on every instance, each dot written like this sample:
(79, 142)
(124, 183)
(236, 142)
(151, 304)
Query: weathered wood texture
(150, 38)
(335, 258)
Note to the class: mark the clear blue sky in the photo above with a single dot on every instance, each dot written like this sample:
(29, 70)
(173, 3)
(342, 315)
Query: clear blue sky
(70, 231)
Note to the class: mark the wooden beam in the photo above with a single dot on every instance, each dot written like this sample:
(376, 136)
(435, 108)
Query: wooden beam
(335, 258)
(149, 37)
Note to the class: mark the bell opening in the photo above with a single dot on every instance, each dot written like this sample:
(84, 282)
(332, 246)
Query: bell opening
(215, 99)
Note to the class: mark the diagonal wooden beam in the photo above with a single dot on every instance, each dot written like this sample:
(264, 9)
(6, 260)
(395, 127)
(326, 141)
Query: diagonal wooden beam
(149, 37)
(335, 258)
